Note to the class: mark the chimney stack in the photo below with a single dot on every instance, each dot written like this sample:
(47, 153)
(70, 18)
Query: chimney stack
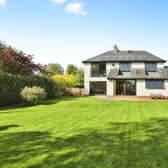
(115, 48)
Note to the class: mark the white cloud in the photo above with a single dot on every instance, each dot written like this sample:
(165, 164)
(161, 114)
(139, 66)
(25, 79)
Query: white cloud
(2, 2)
(76, 8)
(58, 1)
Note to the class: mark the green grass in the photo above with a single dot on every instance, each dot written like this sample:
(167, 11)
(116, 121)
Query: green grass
(85, 133)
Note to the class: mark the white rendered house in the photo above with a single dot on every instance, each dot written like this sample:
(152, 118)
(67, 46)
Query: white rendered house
(125, 72)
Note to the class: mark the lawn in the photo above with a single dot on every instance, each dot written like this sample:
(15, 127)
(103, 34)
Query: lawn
(85, 133)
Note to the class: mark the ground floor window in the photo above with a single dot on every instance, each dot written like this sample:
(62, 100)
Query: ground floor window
(155, 84)
(97, 88)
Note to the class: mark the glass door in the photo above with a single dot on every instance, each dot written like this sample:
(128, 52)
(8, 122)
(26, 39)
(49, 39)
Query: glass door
(126, 87)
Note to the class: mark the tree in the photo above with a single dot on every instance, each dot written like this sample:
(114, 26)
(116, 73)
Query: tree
(2, 46)
(16, 62)
(71, 69)
(54, 68)
(78, 73)
(80, 77)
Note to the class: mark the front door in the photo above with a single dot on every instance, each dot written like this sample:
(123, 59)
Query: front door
(126, 87)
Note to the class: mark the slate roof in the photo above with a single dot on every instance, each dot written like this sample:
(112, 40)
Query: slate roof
(137, 74)
(125, 56)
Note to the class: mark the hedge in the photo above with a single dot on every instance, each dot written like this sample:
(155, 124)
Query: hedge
(11, 86)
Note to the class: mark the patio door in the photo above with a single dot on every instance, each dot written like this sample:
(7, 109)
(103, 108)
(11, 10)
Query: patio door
(126, 87)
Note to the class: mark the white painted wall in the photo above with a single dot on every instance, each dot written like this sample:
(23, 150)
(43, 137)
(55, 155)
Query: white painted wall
(87, 70)
(160, 65)
(86, 88)
(138, 65)
(142, 91)
(110, 88)
(97, 79)
(88, 79)
(109, 66)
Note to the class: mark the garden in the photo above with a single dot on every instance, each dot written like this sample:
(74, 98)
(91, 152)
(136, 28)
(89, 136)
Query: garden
(42, 124)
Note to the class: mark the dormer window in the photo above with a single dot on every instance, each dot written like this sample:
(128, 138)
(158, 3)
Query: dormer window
(150, 67)
(125, 67)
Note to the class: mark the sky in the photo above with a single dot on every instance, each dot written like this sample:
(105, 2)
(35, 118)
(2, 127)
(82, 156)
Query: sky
(70, 31)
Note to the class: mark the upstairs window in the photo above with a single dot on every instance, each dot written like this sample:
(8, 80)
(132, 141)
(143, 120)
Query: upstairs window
(98, 70)
(125, 67)
(151, 67)
(155, 84)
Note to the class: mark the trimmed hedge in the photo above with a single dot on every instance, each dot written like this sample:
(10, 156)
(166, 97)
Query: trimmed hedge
(11, 86)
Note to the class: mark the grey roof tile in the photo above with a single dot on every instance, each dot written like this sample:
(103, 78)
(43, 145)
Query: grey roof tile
(125, 56)
(137, 74)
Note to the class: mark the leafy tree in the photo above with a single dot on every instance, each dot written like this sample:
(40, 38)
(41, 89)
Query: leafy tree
(16, 62)
(1, 47)
(80, 77)
(54, 68)
(71, 69)
(78, 73)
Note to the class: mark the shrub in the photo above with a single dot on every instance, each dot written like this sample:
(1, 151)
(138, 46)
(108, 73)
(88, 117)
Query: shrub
(33, 95)
(11, 86)
(63, 81)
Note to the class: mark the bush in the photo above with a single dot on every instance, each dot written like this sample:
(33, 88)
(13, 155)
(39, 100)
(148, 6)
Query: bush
(11, 86)
(63, 81)
(33, 95)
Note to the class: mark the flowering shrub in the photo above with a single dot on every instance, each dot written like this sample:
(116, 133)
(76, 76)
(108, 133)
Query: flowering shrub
(33, 95)
(63, 81)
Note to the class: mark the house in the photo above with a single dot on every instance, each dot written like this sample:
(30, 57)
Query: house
(125, 72)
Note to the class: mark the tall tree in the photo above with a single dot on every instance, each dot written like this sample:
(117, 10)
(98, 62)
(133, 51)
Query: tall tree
(2, 46)
(80, 77)
(71, 69)
(54, 68)
(16, 62)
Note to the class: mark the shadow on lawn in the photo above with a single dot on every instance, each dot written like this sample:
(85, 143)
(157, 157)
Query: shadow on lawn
(5, 127)
(19, 107)
(122, 145)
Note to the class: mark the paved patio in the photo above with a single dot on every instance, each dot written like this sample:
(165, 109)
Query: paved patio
(132, 98)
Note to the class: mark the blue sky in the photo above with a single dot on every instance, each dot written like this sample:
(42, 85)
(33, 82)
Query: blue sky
(69, 31)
